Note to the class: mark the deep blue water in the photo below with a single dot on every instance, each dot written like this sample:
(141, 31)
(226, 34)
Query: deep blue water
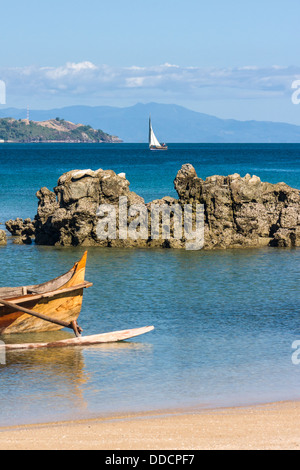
(26, 168)
(224, 320)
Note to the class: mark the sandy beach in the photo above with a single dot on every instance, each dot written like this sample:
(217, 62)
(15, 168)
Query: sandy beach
(269, 426)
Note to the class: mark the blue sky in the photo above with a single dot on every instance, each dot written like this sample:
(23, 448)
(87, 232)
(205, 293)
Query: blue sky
(233, 59)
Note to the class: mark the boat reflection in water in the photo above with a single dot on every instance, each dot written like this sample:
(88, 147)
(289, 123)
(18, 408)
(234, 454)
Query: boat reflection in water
(65, 380)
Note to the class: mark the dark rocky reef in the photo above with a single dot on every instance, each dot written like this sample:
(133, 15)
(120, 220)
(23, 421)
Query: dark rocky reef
(238, 212)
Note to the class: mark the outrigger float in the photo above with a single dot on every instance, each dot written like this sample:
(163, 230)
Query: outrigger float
(52, 306)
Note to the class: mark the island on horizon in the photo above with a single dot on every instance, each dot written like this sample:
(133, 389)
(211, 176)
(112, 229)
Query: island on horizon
(51, 131)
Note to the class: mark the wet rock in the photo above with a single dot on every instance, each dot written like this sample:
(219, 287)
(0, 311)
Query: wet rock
(3, 238)
(243, 211)
(23, 230)
(69, 215)
(238, 212)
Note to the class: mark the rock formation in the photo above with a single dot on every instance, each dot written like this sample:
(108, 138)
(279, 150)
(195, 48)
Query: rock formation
(68, 216)
(238, 212)
(243, 211)
(3, 238)
(22, 230)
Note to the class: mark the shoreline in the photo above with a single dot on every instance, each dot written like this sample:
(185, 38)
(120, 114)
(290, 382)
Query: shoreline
(264, 426)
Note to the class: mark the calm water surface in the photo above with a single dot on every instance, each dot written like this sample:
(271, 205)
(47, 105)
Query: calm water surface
(224, 320)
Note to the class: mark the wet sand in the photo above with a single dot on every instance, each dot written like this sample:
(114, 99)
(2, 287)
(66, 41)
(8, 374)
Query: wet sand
(270, 426)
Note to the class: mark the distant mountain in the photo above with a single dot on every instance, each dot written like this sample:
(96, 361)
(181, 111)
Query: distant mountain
(171, 123)
(53, 130)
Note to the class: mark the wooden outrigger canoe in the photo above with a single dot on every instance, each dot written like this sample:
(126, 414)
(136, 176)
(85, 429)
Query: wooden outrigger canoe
(49, 306)
(111, 337)
(52, 306)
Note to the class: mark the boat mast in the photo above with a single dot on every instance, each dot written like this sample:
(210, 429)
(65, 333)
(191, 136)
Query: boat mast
(149, 138)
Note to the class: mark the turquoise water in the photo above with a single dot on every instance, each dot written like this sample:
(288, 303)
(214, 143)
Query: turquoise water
(224, 321)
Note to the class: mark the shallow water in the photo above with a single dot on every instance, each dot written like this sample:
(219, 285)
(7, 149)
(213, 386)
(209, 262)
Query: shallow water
(224, 321)
(224, 325)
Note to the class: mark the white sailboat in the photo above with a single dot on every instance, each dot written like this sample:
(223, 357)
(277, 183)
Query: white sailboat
(153, 142)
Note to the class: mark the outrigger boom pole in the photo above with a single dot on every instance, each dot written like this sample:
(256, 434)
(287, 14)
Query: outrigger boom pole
(72, 325)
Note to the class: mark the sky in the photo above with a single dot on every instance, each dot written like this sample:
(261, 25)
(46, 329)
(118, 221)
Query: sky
(235, 59)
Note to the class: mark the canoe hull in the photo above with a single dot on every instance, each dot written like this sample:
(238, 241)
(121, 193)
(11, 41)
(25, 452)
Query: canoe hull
(62, 303)
(63, 306)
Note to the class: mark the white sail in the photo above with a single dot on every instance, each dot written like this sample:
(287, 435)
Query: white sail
(153, 142)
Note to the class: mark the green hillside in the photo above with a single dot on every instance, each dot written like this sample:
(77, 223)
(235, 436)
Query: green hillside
(54, 130)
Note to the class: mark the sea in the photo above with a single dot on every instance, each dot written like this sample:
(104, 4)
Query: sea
(227, 322)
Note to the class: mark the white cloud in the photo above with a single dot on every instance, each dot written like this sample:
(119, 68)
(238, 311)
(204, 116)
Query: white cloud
(135, 82)
(85, 79)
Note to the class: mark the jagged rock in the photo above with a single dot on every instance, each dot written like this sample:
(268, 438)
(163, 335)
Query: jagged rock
(68, 216)
(242, 211)
(22, 240)
(3, 238)
(23, 230)
(238, 212)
